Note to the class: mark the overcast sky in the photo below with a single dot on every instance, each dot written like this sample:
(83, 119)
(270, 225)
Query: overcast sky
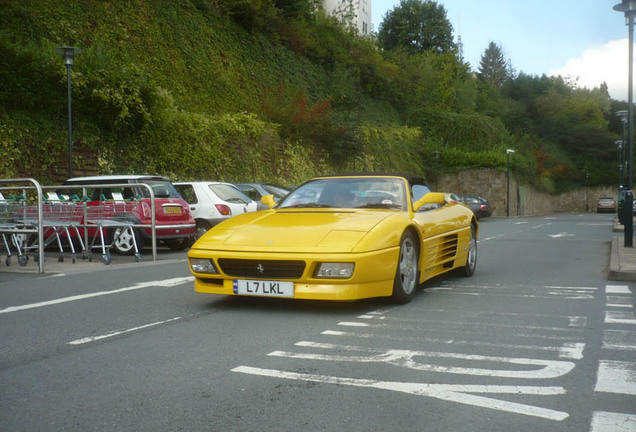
(583, 39)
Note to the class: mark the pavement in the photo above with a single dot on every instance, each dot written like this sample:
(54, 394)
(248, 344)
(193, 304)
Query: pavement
(622, 259)
(53, 266)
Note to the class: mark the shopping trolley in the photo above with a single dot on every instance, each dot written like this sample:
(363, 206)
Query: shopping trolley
(57, 218)
(112, 221)
(10, 209)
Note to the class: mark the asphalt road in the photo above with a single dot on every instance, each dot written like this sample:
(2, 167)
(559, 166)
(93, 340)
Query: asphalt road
(538, 339)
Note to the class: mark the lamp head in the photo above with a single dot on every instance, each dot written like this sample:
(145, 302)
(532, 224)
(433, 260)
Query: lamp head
(68, 53)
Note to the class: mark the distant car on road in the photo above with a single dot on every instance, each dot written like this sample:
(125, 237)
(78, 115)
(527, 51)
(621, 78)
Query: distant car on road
(606, 205)
(213, 202)
(478, 204)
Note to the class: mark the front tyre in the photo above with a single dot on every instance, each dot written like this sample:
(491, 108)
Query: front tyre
(179, 244)
(406, 274)
(471, 260)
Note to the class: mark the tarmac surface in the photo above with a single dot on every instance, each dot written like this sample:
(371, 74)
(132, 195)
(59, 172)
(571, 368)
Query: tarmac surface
(622, 261)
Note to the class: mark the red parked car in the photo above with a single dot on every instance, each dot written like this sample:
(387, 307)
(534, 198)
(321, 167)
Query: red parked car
(170, 209)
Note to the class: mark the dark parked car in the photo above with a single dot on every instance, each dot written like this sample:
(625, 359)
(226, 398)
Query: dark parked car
(606, 205)
(478, 204)
(256, 191)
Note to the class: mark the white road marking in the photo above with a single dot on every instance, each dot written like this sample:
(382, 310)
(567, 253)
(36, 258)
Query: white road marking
(516, 286)
(455, 393)
(619, 339)
(517, 291)
(616, 377)
(141, 285)
(619, 301)
(538, 329)
(109, 335)
(406, 358)
(617, 289)
(563, 234)
(569, 350)
(620, 317)
(603, 421)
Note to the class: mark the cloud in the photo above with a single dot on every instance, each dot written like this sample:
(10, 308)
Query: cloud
(604, 63)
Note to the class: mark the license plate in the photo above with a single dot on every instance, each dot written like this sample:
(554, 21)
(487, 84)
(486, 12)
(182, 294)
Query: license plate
(264, 288)
(172, 210)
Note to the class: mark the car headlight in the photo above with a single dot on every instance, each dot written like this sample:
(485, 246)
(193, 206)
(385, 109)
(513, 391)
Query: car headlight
(334, 270)
(203, 265)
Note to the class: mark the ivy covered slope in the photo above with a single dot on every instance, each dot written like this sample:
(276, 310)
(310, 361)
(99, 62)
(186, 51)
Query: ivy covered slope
(272, 91)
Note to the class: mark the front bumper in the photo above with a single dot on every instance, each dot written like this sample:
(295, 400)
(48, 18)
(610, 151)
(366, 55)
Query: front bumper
(373, 274)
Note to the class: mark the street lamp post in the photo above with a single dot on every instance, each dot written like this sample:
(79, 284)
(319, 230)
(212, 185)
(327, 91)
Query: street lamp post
(587, 193)
(508, 151)
(69, 55)
(628, 7)
(619, 144)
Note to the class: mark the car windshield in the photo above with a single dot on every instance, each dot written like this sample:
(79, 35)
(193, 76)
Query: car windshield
(229, 193)
(161, 189)
(276, 191)
(358, 192)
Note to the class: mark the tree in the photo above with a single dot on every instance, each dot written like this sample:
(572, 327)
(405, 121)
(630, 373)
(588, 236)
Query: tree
(493, 68)
(417, 26)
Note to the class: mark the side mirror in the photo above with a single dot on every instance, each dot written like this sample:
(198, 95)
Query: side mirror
(268, 200)
(431, 200)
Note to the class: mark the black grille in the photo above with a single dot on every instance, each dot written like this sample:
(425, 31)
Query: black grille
(265, 269)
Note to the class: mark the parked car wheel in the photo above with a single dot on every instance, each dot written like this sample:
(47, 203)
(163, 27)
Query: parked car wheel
(124, 243)
(471, 260)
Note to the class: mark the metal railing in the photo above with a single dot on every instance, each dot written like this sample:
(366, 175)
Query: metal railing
(26, 184)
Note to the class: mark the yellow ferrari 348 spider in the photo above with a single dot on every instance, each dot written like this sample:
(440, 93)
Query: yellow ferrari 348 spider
(340, 237)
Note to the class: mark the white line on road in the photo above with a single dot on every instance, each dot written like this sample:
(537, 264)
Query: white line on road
(616, 377)
(158, 283)
(563, 234)
(570, 350)
(617, 289)
(620, 317)
(613, 422)
(455, 393)
(406, 359)
(402, 325)
(109, 335)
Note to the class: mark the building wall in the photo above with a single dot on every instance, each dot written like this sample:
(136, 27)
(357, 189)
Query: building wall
(362, 10)
(524, 199)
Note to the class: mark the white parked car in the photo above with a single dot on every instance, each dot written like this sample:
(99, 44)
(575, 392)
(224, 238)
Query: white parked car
(213, 202)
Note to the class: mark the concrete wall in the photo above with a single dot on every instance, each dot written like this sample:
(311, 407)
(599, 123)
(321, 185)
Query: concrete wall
(524, 199)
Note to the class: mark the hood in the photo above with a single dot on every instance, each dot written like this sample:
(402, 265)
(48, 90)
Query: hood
(292, 231)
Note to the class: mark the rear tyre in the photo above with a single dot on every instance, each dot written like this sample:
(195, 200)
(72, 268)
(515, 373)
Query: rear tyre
(406, 273)
(471, 260)
(124, 242)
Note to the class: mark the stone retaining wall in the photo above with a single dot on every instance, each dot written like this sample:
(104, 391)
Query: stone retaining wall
(524, 199)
